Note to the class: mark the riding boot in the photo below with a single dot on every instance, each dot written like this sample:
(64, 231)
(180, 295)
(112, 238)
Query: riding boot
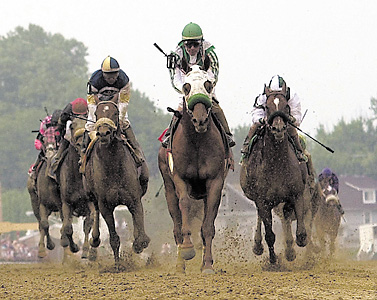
(55, 160)
(138, 152)
(84, 146)
(219, 113)
(33, 173)
(252, 131)
(166, 141)
(341, 210)
(296, 141)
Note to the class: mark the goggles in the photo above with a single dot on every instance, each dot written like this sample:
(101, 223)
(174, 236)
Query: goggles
(190, 44)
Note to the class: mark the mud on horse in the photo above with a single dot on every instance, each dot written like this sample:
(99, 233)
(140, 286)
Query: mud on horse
(112, 179)
(194, 169)
(272, 175)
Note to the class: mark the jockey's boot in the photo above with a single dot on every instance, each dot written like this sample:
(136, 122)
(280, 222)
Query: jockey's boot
(296, 140)
(219, 113)
(56, 159)
(341, 210)
(84, 146)
(173, 123)
(252, 131)
(33, 173)
(131, 138)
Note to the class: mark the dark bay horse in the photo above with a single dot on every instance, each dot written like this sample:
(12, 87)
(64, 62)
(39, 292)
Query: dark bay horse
(327, 220)
(112, 178)
(75, 201)
(195, 169)
(46, 198)
(272, 175)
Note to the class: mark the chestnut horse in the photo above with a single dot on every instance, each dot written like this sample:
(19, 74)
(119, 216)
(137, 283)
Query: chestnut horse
(328, 220)
(44, 195)
(112, 179)
(272, 175)
(75, 201)
(195, 169)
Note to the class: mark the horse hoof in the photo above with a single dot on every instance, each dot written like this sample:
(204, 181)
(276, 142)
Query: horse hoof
(95, 242)
(290, 255)
(187, 253)
(273, 259)
(50, 245)
(93, 254)
(301, 240)
(74, 248)
(140, 244)
(258, 249)
(208, 271)
(42, 253)
(64, 242)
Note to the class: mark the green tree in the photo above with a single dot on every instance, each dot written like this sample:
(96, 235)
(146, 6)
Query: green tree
(38, 70)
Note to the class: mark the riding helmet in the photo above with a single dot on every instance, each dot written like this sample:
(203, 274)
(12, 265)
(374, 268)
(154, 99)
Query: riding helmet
(79, 106)
(326, 172)
(192, 31)
(110, 65)
(276, 83)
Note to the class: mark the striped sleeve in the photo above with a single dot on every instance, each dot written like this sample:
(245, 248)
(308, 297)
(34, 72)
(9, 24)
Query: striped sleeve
(214, 62)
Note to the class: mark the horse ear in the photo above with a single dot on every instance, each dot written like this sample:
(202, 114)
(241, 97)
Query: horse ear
(208, 85)
(186, 88)
(284, 88)
(267, 90)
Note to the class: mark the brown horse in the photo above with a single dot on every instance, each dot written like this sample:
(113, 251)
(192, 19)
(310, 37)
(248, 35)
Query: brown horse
(112, 179)
(195, 169)
(327, 220)
(272, 175)
(45, 199)
(75, 201)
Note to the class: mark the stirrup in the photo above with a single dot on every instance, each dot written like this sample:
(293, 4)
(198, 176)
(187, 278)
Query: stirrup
(165, 142)
(230, 141)
(302, 157)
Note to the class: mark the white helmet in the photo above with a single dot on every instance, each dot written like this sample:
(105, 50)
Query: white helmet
(276, 83)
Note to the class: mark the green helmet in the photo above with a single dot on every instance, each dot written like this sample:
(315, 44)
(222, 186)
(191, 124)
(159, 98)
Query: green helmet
(192, 31)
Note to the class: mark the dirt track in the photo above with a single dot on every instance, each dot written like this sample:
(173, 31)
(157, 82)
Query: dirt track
(76, 279)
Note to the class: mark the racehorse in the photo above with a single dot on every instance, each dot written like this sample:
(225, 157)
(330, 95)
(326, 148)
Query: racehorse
(45, 199)
(272, 175)
(112, 179)
(194, 169)
(327, 220)
(75, 201)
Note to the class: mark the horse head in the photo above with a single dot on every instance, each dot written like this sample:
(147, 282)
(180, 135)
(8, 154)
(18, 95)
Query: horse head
(277, 110)
(107, 114)
(198, 98)
(331, 196)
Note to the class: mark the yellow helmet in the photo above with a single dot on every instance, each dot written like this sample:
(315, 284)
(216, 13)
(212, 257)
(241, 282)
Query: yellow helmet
(110, 65)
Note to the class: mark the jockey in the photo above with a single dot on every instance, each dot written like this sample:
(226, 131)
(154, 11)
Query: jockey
(194, 50)
(111, 83)
(258, 115)
(328, 178)
(78, 107)
(38, 144)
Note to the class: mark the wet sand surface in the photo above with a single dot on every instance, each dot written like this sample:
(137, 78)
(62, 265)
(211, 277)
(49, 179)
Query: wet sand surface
(338, 278)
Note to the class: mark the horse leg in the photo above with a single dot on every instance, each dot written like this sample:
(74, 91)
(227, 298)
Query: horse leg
(290, 253)
(44, 213)
(175, 213)
(95, 241)
(141, 240)
(266, 216)
(67, 230)
(87, 226)
(187, 250)
(108, 215)
(258, 247)
(301, 235)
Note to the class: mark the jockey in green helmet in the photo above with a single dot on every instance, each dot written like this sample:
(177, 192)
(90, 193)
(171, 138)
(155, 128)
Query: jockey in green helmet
(194, 50)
